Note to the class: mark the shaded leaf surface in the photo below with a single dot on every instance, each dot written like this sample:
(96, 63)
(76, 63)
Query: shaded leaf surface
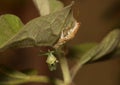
(43, 31)
(12, 73)
(108, 44)
(13, 77)
(78, 50)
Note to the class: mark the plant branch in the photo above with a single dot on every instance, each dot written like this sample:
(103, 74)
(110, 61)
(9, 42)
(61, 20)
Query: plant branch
(75, 69)
(64, 68)
(33, 78)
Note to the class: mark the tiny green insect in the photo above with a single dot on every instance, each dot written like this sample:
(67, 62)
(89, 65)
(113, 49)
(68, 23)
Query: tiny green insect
(51, 60)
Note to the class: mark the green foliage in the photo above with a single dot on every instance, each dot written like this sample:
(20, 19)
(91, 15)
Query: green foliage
(77, 51)
(10, 25)
(41, 31)
(109, 43)
(93, 51)
(32, 34)
(9, 75)
(47, 31)
(55, 5)
(46, 7)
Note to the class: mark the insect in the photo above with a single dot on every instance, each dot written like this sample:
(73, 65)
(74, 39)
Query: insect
(67, 35)
(51, 60)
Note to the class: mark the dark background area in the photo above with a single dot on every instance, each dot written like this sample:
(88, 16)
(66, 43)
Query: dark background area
(93, 28)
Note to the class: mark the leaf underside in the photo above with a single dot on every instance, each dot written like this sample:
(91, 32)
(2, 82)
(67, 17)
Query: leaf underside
(41, 31)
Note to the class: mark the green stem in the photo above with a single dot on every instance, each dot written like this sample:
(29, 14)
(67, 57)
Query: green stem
(75, 69)
(34, 78)
(65, 69)
(44, 79)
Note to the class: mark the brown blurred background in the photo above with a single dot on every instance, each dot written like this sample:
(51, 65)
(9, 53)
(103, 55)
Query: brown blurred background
(93, 28)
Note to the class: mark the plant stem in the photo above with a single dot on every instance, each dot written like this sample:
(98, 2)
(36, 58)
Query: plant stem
(34, 78)
(44, 79)
(75, 69)
(65, 69)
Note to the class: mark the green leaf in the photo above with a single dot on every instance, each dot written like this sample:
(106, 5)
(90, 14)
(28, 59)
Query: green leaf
(42, 6)
(43, 31)
(12, 73)
(30, 72)
(89, 55)
(11, 77)
(9, 27)
(117, 50)
(108, 44)
(55, 5)
(78, 50)
(46, 7)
